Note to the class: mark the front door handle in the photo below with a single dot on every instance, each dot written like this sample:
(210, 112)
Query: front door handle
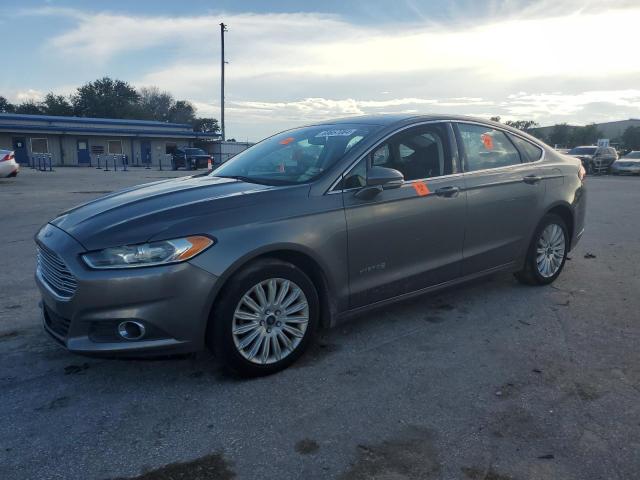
(450, 191)
(532, 179)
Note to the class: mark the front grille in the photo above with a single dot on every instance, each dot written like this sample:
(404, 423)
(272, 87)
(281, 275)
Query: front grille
(55, 273)
(56, 323)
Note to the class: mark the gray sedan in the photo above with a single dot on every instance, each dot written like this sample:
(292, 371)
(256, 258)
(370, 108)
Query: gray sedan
(302, 230)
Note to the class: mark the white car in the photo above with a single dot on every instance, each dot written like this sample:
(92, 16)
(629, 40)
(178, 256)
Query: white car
(630, 163)
(8, 165)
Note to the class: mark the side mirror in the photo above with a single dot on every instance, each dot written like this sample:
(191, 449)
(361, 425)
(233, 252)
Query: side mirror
(387, 178)
(379, 179)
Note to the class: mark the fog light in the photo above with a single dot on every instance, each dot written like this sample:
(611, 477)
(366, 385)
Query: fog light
(131, 330)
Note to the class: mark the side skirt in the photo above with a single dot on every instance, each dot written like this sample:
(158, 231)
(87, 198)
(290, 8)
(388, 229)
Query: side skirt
(342, 316)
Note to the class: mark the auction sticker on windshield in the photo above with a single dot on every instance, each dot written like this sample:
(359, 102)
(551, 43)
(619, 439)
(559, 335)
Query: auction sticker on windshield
(337, 133)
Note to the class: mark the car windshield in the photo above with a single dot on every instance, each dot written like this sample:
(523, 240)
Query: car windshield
(633, 154)
(583, 151)
(295, 156)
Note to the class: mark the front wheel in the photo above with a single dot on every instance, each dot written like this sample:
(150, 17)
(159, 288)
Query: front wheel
(547, 252)
(265, 318)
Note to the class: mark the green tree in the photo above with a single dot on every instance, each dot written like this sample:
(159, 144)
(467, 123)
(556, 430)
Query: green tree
(631, 138)
(29, 107)
(154, 104)
(587, 135)
(205, 125)
(524, 125)
(182, 112)
(560, 134)
(107, 98)
(6, 106)
(56, 105)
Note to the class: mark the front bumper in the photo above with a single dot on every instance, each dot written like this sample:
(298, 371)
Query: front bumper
(172, 302)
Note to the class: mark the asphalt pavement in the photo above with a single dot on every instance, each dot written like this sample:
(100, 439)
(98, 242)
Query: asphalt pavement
(489, 380)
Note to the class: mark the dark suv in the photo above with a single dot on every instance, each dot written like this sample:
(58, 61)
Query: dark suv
(595, 158)
(190, 158)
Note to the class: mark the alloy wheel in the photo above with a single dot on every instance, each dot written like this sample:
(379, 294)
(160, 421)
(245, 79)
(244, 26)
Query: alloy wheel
(270, 321)
(550, 250)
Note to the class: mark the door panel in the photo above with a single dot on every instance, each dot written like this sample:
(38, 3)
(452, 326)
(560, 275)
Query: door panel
(83, 151)
(20, 150)
(410, 237)
(503, 198)
(400, 241)
(145, 152)
(501, 210)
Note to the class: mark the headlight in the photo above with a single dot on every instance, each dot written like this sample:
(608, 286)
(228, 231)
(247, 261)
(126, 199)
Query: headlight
(148, 254)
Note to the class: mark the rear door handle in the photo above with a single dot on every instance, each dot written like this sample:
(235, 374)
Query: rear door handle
(450, 191)
(532, 179)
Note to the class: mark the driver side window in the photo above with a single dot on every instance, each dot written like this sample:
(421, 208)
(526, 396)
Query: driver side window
(418, 153)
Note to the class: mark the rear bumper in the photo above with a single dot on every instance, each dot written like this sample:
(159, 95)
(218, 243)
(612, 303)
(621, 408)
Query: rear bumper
(172, 302)
(579, 215)
(8, 169)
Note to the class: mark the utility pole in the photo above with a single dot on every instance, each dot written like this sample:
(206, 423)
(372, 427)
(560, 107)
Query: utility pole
(223, 28)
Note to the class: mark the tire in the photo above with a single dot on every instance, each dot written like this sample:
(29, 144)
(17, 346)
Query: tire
(231, 313)
(534, 273)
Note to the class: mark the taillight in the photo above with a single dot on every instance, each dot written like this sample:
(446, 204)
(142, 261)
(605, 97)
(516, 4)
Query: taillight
(8, 156)
(581, 172)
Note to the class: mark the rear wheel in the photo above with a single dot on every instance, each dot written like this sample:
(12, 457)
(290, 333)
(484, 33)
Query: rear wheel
(265, 318)
(547, 252)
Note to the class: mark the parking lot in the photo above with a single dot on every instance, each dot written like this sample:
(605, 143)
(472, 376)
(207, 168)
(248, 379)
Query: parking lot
(490, 380)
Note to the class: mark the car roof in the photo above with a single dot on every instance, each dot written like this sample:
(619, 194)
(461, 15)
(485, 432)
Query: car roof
(391, 118)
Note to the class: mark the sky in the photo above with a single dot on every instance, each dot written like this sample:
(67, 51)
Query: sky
(294, 63)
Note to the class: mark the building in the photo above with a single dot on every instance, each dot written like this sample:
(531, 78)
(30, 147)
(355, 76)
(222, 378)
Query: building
(614, 130)
(76, 141)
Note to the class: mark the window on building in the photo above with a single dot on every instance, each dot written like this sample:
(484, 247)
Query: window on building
(114, 146)
(39, 145)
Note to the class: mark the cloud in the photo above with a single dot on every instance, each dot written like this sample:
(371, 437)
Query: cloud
(291, 68)
(29, 95)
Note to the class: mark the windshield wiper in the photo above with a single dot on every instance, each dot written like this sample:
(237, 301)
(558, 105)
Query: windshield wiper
(272, 182)
(241, 178)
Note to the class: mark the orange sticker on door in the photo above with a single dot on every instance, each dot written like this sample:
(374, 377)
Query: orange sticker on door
(421, 188)
(487, 140)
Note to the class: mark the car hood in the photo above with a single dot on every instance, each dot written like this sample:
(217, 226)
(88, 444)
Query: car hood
(628, 160)
(135, 215)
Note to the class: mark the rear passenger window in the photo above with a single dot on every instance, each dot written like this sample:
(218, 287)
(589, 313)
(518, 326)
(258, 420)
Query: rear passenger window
(530, 151)
(486, 148)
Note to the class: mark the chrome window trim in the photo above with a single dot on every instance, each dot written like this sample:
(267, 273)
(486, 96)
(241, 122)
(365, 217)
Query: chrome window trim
(331, 191)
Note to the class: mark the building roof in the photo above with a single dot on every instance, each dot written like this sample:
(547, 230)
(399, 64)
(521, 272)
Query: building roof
(58, 125)
(108, 121)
